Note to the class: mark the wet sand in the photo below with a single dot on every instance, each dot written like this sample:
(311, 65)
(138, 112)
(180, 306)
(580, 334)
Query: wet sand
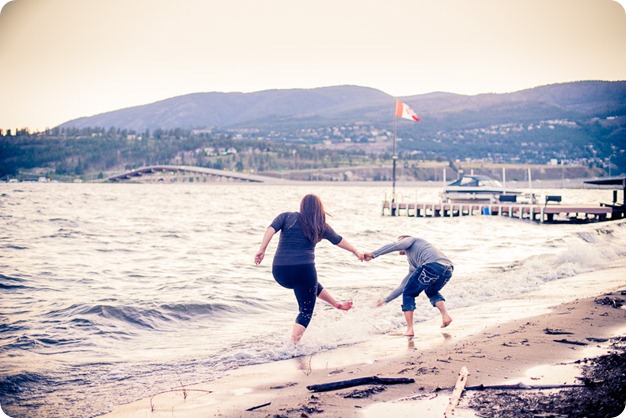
(501, 343)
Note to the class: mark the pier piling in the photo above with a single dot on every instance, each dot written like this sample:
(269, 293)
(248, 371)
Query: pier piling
(547, 213)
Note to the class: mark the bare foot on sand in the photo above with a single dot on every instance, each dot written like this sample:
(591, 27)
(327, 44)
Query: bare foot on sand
(345, 306)
(446, 320)
(409, 333)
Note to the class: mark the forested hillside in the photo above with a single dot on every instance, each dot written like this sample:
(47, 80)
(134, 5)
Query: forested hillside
(579, 124)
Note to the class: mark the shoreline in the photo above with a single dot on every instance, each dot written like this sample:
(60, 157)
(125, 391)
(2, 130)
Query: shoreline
(505, 342)
(549, 183)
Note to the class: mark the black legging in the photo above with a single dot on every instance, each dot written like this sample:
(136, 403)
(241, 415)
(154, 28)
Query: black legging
(302, 278)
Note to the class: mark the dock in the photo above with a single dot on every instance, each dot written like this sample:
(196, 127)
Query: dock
(541, 213)
(550, 211)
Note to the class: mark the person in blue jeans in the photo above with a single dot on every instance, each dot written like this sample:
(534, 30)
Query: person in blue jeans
(429, 271)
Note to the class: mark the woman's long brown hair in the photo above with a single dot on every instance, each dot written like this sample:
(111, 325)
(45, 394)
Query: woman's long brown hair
(312, 217)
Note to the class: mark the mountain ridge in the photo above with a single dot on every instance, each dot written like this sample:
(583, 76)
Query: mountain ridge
(350, 103)
(578, 124)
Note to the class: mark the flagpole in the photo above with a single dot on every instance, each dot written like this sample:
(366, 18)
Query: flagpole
(394, 157)
(404, 111)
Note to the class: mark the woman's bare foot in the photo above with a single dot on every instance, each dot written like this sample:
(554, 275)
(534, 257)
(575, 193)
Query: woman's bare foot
(344, 306)
(446, 320)
(409, 332)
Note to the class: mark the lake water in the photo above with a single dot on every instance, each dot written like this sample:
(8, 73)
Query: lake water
(116, 292)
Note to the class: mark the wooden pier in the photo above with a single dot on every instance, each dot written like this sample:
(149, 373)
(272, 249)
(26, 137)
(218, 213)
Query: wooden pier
(548, 213)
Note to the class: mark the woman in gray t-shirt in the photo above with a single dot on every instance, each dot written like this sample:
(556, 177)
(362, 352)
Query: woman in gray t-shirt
(293, 266)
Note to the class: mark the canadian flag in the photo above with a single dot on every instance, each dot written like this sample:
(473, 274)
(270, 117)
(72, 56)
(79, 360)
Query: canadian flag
(404, 111)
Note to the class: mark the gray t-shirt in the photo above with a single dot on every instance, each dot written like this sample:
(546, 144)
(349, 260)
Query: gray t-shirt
(293, 246)
(418, 252)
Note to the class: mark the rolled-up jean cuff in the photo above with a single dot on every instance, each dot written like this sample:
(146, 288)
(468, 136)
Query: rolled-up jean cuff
(436, 298)
(408, 307)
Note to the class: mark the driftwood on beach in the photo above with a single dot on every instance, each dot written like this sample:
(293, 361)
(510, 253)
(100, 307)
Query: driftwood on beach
(521, 386)
(566, 341)
(258, 406)
(456, 392)
(370, 380)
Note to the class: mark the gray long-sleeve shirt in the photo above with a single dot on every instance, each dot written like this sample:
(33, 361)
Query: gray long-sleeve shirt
(418, 252)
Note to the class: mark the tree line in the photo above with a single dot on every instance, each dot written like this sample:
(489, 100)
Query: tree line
(95, 151)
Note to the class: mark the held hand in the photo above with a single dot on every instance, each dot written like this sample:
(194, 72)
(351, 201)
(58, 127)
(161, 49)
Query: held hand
(258, 257)
(368, 256)
(359, 255)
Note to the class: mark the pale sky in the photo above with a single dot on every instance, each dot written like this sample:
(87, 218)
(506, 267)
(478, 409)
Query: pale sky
(64, 59)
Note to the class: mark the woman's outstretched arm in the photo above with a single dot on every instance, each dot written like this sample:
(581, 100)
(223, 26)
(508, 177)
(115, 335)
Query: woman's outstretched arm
(267, 237)
(349, 247)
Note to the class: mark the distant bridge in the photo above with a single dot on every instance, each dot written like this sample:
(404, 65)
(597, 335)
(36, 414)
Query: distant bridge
(195, 172)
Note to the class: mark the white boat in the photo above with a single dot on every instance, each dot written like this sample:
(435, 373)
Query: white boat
(477, 188)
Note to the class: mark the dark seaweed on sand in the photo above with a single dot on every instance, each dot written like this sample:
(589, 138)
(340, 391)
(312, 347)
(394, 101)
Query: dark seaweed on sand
(603, 394)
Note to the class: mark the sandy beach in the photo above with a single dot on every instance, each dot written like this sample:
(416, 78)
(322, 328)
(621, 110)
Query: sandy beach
(534, 340)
